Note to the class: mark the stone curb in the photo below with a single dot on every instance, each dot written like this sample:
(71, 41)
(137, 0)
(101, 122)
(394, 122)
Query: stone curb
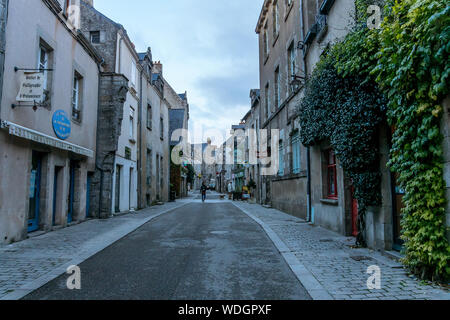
(306, 278)
(90, 248)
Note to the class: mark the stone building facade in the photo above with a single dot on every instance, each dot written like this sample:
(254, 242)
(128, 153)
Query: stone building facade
(292, 37)
(303, 186)
(281, 79)
(111, 40)
(154, 142)
(252, 129)
(178, 120)
(47, 146)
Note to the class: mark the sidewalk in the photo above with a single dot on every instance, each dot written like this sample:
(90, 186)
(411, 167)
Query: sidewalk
(27, 265)
(329, 265)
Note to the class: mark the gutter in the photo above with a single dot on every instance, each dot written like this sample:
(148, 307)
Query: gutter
(139, 161)
(308, 149)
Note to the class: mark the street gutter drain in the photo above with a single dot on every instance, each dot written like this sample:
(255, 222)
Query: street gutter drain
(361, 258)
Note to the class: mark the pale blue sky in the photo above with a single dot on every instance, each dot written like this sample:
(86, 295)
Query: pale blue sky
(207, 47)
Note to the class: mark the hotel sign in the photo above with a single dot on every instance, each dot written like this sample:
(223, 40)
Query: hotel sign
(31, 87)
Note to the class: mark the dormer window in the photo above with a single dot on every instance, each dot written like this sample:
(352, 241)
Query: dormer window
(95, 37)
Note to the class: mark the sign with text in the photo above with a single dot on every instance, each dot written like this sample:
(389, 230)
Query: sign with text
(31, 87)
(61, 124)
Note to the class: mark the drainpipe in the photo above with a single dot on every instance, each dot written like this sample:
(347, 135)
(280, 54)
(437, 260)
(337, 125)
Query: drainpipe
(3, 20)
(119, 67)
(308, 149)
(139, 161)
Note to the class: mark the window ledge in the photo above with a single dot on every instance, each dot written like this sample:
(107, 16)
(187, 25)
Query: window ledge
(76, 120)
(293, 176)
(331, 202)
(133, 141)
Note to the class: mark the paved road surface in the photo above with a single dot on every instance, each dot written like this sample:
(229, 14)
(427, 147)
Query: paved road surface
(201, 251)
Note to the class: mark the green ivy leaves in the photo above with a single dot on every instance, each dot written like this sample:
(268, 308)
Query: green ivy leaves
(405, 66)
(413, 71)
(346, 110)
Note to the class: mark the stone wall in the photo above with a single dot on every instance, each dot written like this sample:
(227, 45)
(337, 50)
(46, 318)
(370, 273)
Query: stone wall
(113, 91)
(92, 20)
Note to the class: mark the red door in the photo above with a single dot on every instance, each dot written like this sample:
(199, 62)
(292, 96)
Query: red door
(354, 214)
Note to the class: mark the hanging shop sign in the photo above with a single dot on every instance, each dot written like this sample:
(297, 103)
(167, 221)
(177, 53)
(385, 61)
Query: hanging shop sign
(31, 87)
(61, 124)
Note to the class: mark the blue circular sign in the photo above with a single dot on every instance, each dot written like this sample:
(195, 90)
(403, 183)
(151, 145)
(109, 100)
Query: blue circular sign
(61, 124)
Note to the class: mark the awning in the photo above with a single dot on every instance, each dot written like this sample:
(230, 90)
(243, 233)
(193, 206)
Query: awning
(25, 133)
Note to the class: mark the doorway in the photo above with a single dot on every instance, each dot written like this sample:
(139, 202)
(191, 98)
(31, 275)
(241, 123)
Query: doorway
(34, 192)
(354, 214)
(397, 206)
(71, 191)
(117, 190)
(56, 193)
(88, 194)
(130, 194)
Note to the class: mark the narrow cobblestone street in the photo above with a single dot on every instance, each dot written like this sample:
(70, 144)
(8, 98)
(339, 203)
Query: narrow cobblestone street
(340, 269)
(195, 251)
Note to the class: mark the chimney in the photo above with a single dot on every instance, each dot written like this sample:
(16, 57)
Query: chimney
(158, 67)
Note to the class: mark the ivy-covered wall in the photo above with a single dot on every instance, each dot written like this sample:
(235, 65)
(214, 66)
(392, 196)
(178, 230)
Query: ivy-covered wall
(401, 72)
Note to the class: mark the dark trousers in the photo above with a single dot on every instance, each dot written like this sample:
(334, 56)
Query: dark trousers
(203, 196)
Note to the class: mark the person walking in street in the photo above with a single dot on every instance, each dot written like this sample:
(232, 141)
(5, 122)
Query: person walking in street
(230, 190)
(203, 191)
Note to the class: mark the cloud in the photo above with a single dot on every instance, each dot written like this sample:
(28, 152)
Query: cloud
(208, 48)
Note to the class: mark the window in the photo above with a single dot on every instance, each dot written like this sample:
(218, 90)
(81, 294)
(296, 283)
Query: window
(45, 56)
(277, 88)
(309, 18)
(131, 123)
(128, 153)
(331, 174)
(95, 37)
(266, 42)
(133, 74)
(162, 172)
(296, 156)
(77, 96)
(276, 21)
(292, 64)
(161, 126)
(267, 101)
(149, 117)
(149, 167)
(281, 159)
